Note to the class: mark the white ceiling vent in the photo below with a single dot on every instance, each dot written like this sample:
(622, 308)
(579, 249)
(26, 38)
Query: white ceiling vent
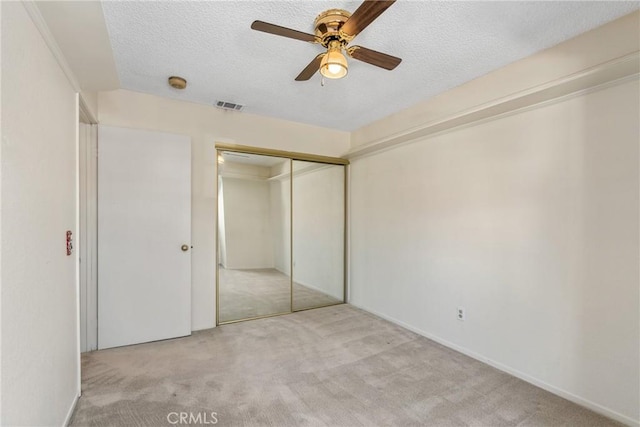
(229, 105)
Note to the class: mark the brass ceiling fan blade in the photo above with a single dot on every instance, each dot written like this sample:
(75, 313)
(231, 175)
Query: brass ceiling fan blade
(310, 69)
(365, 15)
(265, 27)
(373, 57)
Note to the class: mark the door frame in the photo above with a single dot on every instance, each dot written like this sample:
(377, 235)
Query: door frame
(86, 240)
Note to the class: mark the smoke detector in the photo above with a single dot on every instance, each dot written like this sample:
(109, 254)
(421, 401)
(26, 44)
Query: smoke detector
(177, 82)
(229, 106)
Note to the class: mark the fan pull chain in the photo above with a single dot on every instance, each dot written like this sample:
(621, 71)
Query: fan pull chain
(322, 81)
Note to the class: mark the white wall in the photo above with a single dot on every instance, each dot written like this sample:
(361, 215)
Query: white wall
(206, 125)
(40, 354)
(247, 223)
(530, 222)
(222, 229)
(318, 227)
(90, 100)
(88, 229)
(280, 190)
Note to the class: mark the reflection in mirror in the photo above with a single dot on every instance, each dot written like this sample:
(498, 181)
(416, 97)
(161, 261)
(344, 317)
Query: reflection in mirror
(318, 234)
(254, 240)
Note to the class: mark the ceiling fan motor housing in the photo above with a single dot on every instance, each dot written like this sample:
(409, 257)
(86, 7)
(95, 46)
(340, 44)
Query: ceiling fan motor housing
(328, 24)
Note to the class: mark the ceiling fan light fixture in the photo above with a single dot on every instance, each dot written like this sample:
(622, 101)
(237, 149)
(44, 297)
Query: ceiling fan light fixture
(334, 63)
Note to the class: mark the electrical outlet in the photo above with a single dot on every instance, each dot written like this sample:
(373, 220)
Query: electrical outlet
(461, 314)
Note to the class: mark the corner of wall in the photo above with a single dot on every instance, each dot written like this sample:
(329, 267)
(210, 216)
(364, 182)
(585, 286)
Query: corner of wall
(88, 104)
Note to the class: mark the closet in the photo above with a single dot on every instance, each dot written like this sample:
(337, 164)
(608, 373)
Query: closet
(280, 232)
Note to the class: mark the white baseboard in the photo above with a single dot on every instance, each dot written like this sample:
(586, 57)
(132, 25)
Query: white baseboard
(72, 409)
(595, 407)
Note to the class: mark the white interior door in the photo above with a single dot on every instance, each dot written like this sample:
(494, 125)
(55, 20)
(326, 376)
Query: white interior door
(144, 219)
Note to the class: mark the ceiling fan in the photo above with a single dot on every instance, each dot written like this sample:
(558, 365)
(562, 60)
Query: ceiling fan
(334, 30)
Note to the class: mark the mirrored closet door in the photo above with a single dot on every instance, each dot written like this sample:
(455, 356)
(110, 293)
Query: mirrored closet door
(318, 234)
(254, 239)
(281, 240)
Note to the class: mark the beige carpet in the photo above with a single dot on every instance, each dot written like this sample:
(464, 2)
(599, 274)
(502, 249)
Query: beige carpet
(260, 292)
(334, 366)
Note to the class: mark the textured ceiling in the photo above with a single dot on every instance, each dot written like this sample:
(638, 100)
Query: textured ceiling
(442, 44)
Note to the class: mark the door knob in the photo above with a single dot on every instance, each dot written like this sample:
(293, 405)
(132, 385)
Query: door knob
(184, 248)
